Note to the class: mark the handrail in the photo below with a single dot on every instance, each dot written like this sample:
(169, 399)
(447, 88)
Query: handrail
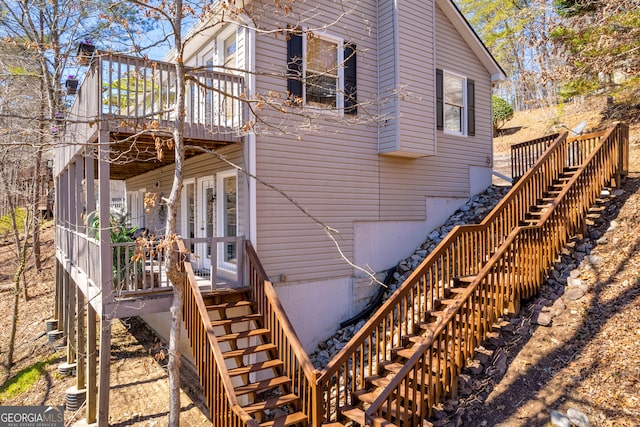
(516, 270)
(297, 365)
(605, 136)
(224, 409)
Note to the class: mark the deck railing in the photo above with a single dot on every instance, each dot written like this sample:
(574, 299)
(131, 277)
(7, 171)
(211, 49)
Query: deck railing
(139, 268)
(129, 94)
(297, 365)
(464, 252)
(218, 261)
(222, 402)
(515, 271)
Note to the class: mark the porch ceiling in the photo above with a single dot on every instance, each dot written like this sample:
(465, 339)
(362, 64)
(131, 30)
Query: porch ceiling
(131, 158)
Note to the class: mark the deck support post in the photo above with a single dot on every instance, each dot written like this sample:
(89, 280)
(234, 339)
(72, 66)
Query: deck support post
(81, 347)
(92, 389)
(106, 277)
(105, 371)
(65, 307)
(71, 315)
(57, 309)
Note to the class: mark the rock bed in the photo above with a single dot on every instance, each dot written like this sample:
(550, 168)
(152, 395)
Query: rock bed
(472, 212)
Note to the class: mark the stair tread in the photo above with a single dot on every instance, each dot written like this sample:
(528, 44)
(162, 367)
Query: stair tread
(378, 380)
(255, 367)
(248, 350)
(244, 334)
(270, 403)
(226, 305)
(357, 415)
(225, 292)
(261, 385)
(238, 319)
(286, 420)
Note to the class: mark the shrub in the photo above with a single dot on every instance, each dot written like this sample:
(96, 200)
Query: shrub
(502, 112)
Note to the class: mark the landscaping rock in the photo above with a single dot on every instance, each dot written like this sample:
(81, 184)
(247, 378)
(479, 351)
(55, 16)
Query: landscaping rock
(577, 418)
(574, 294)
(559, 420)
(543, 319)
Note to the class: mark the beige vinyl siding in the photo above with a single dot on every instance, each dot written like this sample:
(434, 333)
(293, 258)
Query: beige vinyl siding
(331, 172)
(417, 108)
(196, 167)
(388, 76)
(406, 183)
(407, 58)
(453, 54)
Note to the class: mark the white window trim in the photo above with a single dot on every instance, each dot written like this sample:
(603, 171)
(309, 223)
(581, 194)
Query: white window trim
(183, 206)
(220, 225)
(465, 105)
(339, 108)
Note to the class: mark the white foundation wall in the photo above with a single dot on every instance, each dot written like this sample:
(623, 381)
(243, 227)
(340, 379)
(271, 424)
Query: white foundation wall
(479, 179)
(161, 325)
(316, 309)
(380, 245)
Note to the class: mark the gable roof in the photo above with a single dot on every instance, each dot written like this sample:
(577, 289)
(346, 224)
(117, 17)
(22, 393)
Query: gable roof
(469, 35)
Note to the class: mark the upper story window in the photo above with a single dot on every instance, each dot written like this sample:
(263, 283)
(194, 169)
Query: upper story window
(455, 103)
(230, 48)
(223, 52)
(321, 72)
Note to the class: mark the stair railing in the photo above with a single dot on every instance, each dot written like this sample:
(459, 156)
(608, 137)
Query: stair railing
(222, 402)
(297, 365)
(515, 271)
(464, 251)
(526, 154)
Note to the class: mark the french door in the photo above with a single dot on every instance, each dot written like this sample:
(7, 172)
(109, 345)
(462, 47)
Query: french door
(227, 219)
(210, 206)
(205, 219)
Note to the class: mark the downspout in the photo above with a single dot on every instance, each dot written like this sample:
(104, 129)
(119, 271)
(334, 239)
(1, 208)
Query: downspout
(251, 137)
(375, 303)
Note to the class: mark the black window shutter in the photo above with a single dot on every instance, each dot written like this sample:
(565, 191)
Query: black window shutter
(439, 100)
(294, 64)
(350, 88)
(471, 107)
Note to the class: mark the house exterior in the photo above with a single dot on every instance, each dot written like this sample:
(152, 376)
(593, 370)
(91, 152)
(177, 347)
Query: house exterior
(387, 130)
(404, 142)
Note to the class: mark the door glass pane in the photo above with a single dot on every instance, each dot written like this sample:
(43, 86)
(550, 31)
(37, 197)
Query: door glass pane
(230, 217)
(230, 51)
(191, 212)
(210, 216)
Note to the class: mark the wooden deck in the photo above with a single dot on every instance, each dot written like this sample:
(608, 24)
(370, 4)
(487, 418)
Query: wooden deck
(130, 100)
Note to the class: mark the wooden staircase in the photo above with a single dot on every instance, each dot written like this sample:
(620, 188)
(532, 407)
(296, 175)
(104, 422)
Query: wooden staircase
(443, 368)
(409, 354)
(252, 360)
(413, 348)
